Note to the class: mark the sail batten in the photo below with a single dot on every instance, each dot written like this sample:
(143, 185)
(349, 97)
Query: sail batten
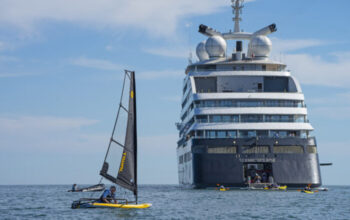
(126, 175)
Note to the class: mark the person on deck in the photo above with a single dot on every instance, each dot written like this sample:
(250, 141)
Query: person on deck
(74, 187)
(108, 195)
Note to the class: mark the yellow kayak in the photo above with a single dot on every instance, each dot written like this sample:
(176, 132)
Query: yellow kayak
(282, 187)
(278, 188)
(223, 190)
(123, 206)
(307, 191)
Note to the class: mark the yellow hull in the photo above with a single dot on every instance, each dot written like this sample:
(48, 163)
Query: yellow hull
(123, 206)
(307, 191)
(282, 187)
(278, 188)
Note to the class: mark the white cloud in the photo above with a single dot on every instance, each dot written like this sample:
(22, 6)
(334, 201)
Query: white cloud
(176, 52)
(6, 59)
(43, 122)
(331, 99)
(160, 74)
(287, 45)
(158, 17)
(96, 63)
(315, 70)
(109, 47)
(48, 133)
(10, 75)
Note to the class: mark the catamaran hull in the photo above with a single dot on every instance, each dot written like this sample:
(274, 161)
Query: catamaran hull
(95, 188)
(78, 204)
(202, 169)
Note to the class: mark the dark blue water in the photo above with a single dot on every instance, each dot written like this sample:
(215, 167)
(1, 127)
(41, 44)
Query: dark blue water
(172, 202)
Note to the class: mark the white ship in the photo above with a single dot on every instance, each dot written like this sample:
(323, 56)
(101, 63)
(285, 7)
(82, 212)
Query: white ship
(243, 115)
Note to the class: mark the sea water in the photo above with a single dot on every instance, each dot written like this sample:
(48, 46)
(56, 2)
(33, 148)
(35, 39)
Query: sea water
(174, 202)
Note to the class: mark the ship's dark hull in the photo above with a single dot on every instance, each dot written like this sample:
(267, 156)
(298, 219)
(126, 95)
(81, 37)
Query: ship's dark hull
(229, 169)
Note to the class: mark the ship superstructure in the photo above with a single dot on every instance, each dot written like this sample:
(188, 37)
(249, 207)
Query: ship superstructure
(243, 115)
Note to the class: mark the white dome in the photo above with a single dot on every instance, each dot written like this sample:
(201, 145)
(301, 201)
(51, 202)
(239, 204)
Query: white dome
(260, 46)
(216, 46)
(202, 52)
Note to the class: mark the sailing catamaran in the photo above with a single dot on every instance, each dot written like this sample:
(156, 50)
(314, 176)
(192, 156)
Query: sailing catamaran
(123, 144)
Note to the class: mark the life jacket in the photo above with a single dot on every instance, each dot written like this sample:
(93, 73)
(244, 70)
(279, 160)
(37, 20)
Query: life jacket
(107, 197)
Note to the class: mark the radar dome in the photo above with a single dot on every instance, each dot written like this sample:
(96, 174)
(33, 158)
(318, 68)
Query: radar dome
(202, 52)
(216, 46)
(259, 46)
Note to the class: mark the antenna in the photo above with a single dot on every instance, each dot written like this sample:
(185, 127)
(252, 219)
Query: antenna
(190, 58)
(237, 6)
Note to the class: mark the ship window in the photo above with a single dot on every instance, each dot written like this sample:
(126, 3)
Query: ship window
(181, 159)
(222, 150)
(232, 134)
(303, 134)
(251, 118)
(288, 149)
(226, 118)
(215, 118)
(262, 133)
(299, 118)
(244, 134)
(311, 149)
(187, 156)
(200, 133)
(221, 134)
(205, 84)
(210, 134)
(275, 84)
(202, 118)
(255, 150)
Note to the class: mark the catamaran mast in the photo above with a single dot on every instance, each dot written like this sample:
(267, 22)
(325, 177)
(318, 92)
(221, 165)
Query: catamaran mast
(135, 132)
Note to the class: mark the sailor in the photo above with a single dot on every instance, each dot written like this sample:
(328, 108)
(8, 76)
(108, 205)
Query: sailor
(108, 195)
(74, 187)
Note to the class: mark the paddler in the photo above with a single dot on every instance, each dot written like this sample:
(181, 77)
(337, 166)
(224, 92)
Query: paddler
(108, 195)
(308, 187)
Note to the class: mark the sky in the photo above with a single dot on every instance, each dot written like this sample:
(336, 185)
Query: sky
(61, 69)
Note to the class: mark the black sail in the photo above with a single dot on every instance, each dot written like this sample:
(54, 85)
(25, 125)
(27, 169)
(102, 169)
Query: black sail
(126, 175)
(127, 169)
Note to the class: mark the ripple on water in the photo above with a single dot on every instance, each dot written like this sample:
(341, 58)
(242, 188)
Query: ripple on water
(172, 202)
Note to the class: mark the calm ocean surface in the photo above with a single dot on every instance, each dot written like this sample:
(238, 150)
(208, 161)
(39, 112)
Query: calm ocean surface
(173, 202)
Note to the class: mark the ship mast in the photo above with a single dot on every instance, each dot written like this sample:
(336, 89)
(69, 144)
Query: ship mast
(237, 6)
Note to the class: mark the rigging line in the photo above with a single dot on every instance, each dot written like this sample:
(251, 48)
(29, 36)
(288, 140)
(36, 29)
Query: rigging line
(121, 106)
(112, 140)
(115, 123)
(92, 193)
(127, 72)
(117, 143)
